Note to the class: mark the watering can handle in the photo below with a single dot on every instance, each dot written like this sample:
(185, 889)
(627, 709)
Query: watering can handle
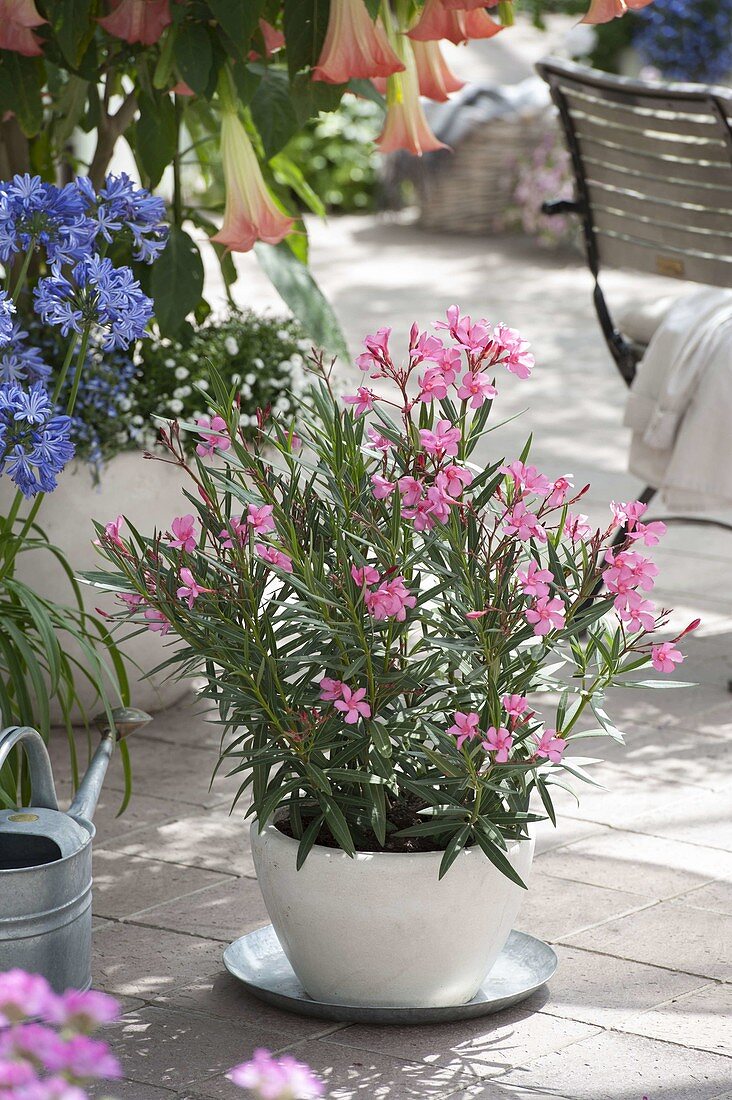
(39, 762)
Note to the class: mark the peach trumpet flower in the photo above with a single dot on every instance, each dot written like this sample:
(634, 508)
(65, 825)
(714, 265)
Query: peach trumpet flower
(250, 213)
(138, 20)
(603, 11)
(17, 19)
(438, 20)
(405, 126)
(436, 81)
(354, 46)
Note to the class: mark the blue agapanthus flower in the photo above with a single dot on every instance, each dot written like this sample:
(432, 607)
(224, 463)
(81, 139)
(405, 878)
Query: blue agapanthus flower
(35, 441)
(7, 309)
(121, 207)
(95, 291)
(20, 361)
(34, 214)
(687, 39)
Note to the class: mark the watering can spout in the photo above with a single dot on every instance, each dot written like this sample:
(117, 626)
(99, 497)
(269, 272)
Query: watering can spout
(124, 721)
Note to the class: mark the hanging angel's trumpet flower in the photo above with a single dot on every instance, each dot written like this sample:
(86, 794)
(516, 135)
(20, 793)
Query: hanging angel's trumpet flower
(405, 126)
(603, 11)
(138, 20)
(440, 21)
(355, 46)
(435, 79)
(250, 213)
(17, 19)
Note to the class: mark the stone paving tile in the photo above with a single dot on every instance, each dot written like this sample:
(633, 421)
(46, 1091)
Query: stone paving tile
(125, 884)
(700, 1019)
(485, 1047)
(694, 817)
(214, 840)
(679, 937)
(615, 1066)
(141, 813)
(625, 797)
(549, 910)
(143, 962)
(221, 912)
(655, 867)
(130, 1090)
(715, 895)
(606, 991)
(567, 830)
(185, 776)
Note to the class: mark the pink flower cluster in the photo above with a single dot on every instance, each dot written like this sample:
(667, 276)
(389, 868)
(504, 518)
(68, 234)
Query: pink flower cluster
(423, 502)
(352, 703)
(389, 600)
(282, 1078)
(498, 741)
(36, 1061)
(494, 740)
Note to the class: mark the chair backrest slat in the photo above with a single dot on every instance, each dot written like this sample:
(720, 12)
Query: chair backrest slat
(653, 164)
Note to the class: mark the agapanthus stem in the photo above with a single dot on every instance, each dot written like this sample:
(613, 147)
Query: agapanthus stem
(64, 370)
(78, 371)
(22, 274)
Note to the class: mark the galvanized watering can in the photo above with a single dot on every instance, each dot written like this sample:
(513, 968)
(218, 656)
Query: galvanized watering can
(46, 862)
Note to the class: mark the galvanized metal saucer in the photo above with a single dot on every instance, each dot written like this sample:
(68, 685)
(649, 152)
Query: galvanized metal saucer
(259, 962)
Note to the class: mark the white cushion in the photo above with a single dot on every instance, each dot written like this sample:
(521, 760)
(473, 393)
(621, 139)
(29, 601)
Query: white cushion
(639, 320)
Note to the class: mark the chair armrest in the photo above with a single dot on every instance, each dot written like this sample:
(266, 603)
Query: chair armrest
(561, 206)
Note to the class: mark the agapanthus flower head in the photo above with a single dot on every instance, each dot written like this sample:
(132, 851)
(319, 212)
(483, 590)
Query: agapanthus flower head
(121, 208)
(282, 1078)
(35, 442)
(17, 20)
(20, 361)
(7, 309)
(95, 292)
(40, 215)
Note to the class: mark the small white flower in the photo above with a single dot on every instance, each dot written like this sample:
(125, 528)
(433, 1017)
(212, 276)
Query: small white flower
(246, 391)
(258, 363)
(181, 373)
(296, 359)
(170, 362)
(283, 334)
(202, 384)
(304, 345)
(175, 406)
(231, 345)
(250, 378)
(182, 391)
(286, 366)
(236, 379)
(246, 421)
(137, 421)
(124, 404)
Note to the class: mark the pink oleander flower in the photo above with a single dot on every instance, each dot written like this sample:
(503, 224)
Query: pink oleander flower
(476, 388)
(189, 590)
(352, 705)
(236, 529)
(535, 581)
(603, 11)
(457, 478)
(405, 126)
(545, 615)
(131, 599)
(215, 435)
(516, 356)
(627, 513)
(259, 518)
(274, 557)
(377, 350)
(433, 385)
(23, 995)
(382, 487)
(498, 741)
(330, 690)
(250, 212)
(84, 1058)
(362, 400)
(576, 527)
(138, 20)
(184, 534)
(112, 530)
(83, 1011)
(465, 726)
(157, 622)
(559, 492)
(435, 79)
(514, 705)
(380, 442)
(550, 746)
(443, 440)
(635, 612)
(665, 657)
(449, 360)
(365, 575)
(13, 1075)
(475, 337)
(17, 19)
(355, 46)
(649, 534)
(627, 571)
(411, 491)
(424, 346)
(473, 616)
(524, 524)
(390, 600)
(30, 1040)
(281, 1078)
(527, 478)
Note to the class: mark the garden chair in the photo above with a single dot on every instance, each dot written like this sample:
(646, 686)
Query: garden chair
(653, 183)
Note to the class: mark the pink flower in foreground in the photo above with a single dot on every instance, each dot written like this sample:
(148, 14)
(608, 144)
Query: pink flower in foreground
(523, 523)
(514, 705)
(377, 350)
(112, 530)
(635, 612)
(131, 599)
(157, 622)
(603, 11)
(184, 534)
(665, 657)
(138, 20)
(365, 575)
(423, 345)
(83, 1058)
(390, 600)
(627, 513)
(382, 487)
(250, 212)
(411, 491)
(215, 435)
(476, 388)
(550, 746)
(443, 440)
(473, 616)
(238, 528)
(559, 492)
(352, 705)
(648, 533)
(277, 1078)
(377, 440)
(545, 615)
(457, 478)
(17, 18)
(628, 570)
(516, 356)
(362, 399)
(433, 385)
(435, 79)
(527, 478)
(535, 581)
(474, 337)
(330, 690)
(259, 518)
(189, 590)
(498, 741)
(83, 1011)
(23, 995)
(355, 46)
(465, 726)
(576, 527)
(274, 557)
(405, 126)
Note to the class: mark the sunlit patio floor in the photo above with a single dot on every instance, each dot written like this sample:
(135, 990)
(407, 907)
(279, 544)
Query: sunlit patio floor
(633, 888)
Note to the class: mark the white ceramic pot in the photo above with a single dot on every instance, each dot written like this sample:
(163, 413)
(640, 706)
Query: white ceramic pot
(149, 494)
(382, 929)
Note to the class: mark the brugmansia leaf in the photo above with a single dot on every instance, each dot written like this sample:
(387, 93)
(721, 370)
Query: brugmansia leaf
(176, 282)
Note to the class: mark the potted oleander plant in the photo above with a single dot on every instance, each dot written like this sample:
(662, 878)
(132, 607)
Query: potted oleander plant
(403, 646)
